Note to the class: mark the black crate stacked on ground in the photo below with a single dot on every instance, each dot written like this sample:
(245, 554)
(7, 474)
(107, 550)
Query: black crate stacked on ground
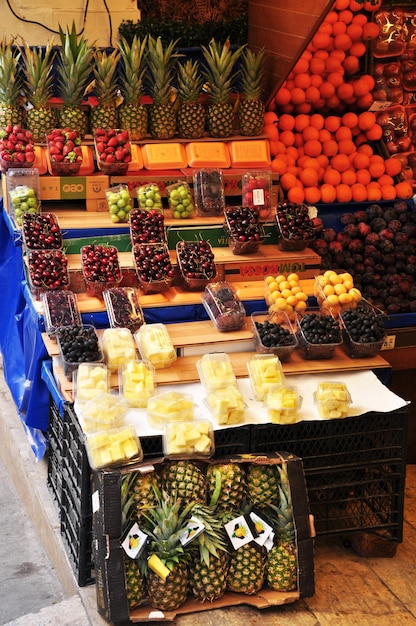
(76, 510)
(55, 454)
(354, 467)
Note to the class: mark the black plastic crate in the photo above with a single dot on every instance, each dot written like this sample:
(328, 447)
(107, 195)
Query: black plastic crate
(76, 532)
(54, 474)
(55, 426)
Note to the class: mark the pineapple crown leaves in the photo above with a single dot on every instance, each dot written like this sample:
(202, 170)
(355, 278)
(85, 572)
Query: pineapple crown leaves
(252, 73)
(105, 76)
(211, 540)
(161, 63)
(190, 81)
(75, 56)
(38, 75)
(11, 79)
(219, 72)
(127, 498)
(133, 68)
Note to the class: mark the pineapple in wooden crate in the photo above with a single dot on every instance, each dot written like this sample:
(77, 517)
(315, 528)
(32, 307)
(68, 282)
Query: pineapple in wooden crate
(191, 112)
(132, 113)
(251, 108)
(161, 62)
(105, 114)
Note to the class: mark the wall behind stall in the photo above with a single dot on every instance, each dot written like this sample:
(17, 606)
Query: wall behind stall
(37, 20)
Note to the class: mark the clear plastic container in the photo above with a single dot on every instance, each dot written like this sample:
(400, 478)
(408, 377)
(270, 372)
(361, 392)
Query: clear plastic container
(117, 446)
(209, 192)
(180, 200)
(137, 382)
(363, 331)
(294, 227)
(256, 192)
(223, 306)
(104, 411)
(226, 405)
(100, 268)
(24, 200)
(147, 226)
(113, 151)
(60, 308)
(41, 231)
(216, 371)
(154, 268)
(77, 344)
(273, 334)
(119, 203)
(291, 243)
(123, 308)
(149, 197)
(265, 371)
(118, 347)
(170, 406)
(332, 399)
(64, 151)
(89, 381)
(47, 270)
(189, 439)
(318, 335)
(196, 264)
(334, 291)
(244, 230)
(155, 345)
(283, 403)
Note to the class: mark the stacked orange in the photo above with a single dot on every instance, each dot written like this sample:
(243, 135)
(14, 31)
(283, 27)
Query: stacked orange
(330, 158)
(326, 77)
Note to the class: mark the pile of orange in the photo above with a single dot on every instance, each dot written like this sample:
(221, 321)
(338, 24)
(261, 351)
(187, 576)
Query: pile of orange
(327, 159)
(327, 78)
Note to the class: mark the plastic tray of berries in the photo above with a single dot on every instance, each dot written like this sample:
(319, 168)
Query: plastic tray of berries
(363, 330)
(100, 268)
(60, 308)
(180, 200)
(244, 230)
(78, 343)
(119, 203)
(274, 334)
(64, 151)
(196, 263)
(47, 270)
(41, 231)
(147, 226)
(256, 192)
(154, 268)
(24, 200)
(123, 308)
(209, 193)
(223, 306)
(318, 335)
(113, 150)
(16, 148)
(295, 227)
(149, 197)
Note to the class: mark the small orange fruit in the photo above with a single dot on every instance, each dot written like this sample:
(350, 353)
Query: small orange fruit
(357, 49)
(375, 133)
(282, 97)
(359, 192)
(302, 80)
(366, 120)
(324, 135)
(361, 161)
(388, 192)
(296, 195)
(297, 96)
(332, 177)
(385, 179)
(278, 165)
(340, 162)
(373, 192)
(348, 177)
(288, 180)
(328, 193)
(371, 30)
(312, 195)
(342, 41)
(310, 132)
(271, 131)
(317, 120)
(309, 177)
(287, 137)
(316, 65)
(286, 122)
(312, 94)
(404, 190)
(313, 147)
(346, 146)
(345, 92)
(351, 64)
(363, 176)
(270, 117)
(393, 166)
(349, 119)
(326, 89)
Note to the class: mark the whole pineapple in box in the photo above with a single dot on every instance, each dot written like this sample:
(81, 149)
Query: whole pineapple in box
(133, 568)
(183, 479)
(40, 117)
(263, 484)
(161, 61)
(132, 113)
(191, 113)
(105, 114)
(74, 72)
(233, 487)
(144, 491)
(281, 562)
(167, 575)
(11, 84)
(220, 78)
(251, 109)
(246, 569)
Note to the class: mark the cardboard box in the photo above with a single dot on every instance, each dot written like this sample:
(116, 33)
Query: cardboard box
(109, 555)
(145, 177)
(74, 188)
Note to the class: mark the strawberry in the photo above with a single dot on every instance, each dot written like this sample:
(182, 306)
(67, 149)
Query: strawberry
(65, 152)
(113, 150)
(16, 147)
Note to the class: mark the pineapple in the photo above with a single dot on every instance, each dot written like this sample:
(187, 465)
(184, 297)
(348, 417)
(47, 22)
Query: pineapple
(263, 484)
(183, 479)
(167, 574)
(281, 562)
(11, 84)
(161, 62)
(247, 569)
(220, 77)
(105, 115)
(251, 109)
(233, 487)
(132, 113)
(76, 58)
(144, 494)
(191, 113)
(133, 568)
(41, 117)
